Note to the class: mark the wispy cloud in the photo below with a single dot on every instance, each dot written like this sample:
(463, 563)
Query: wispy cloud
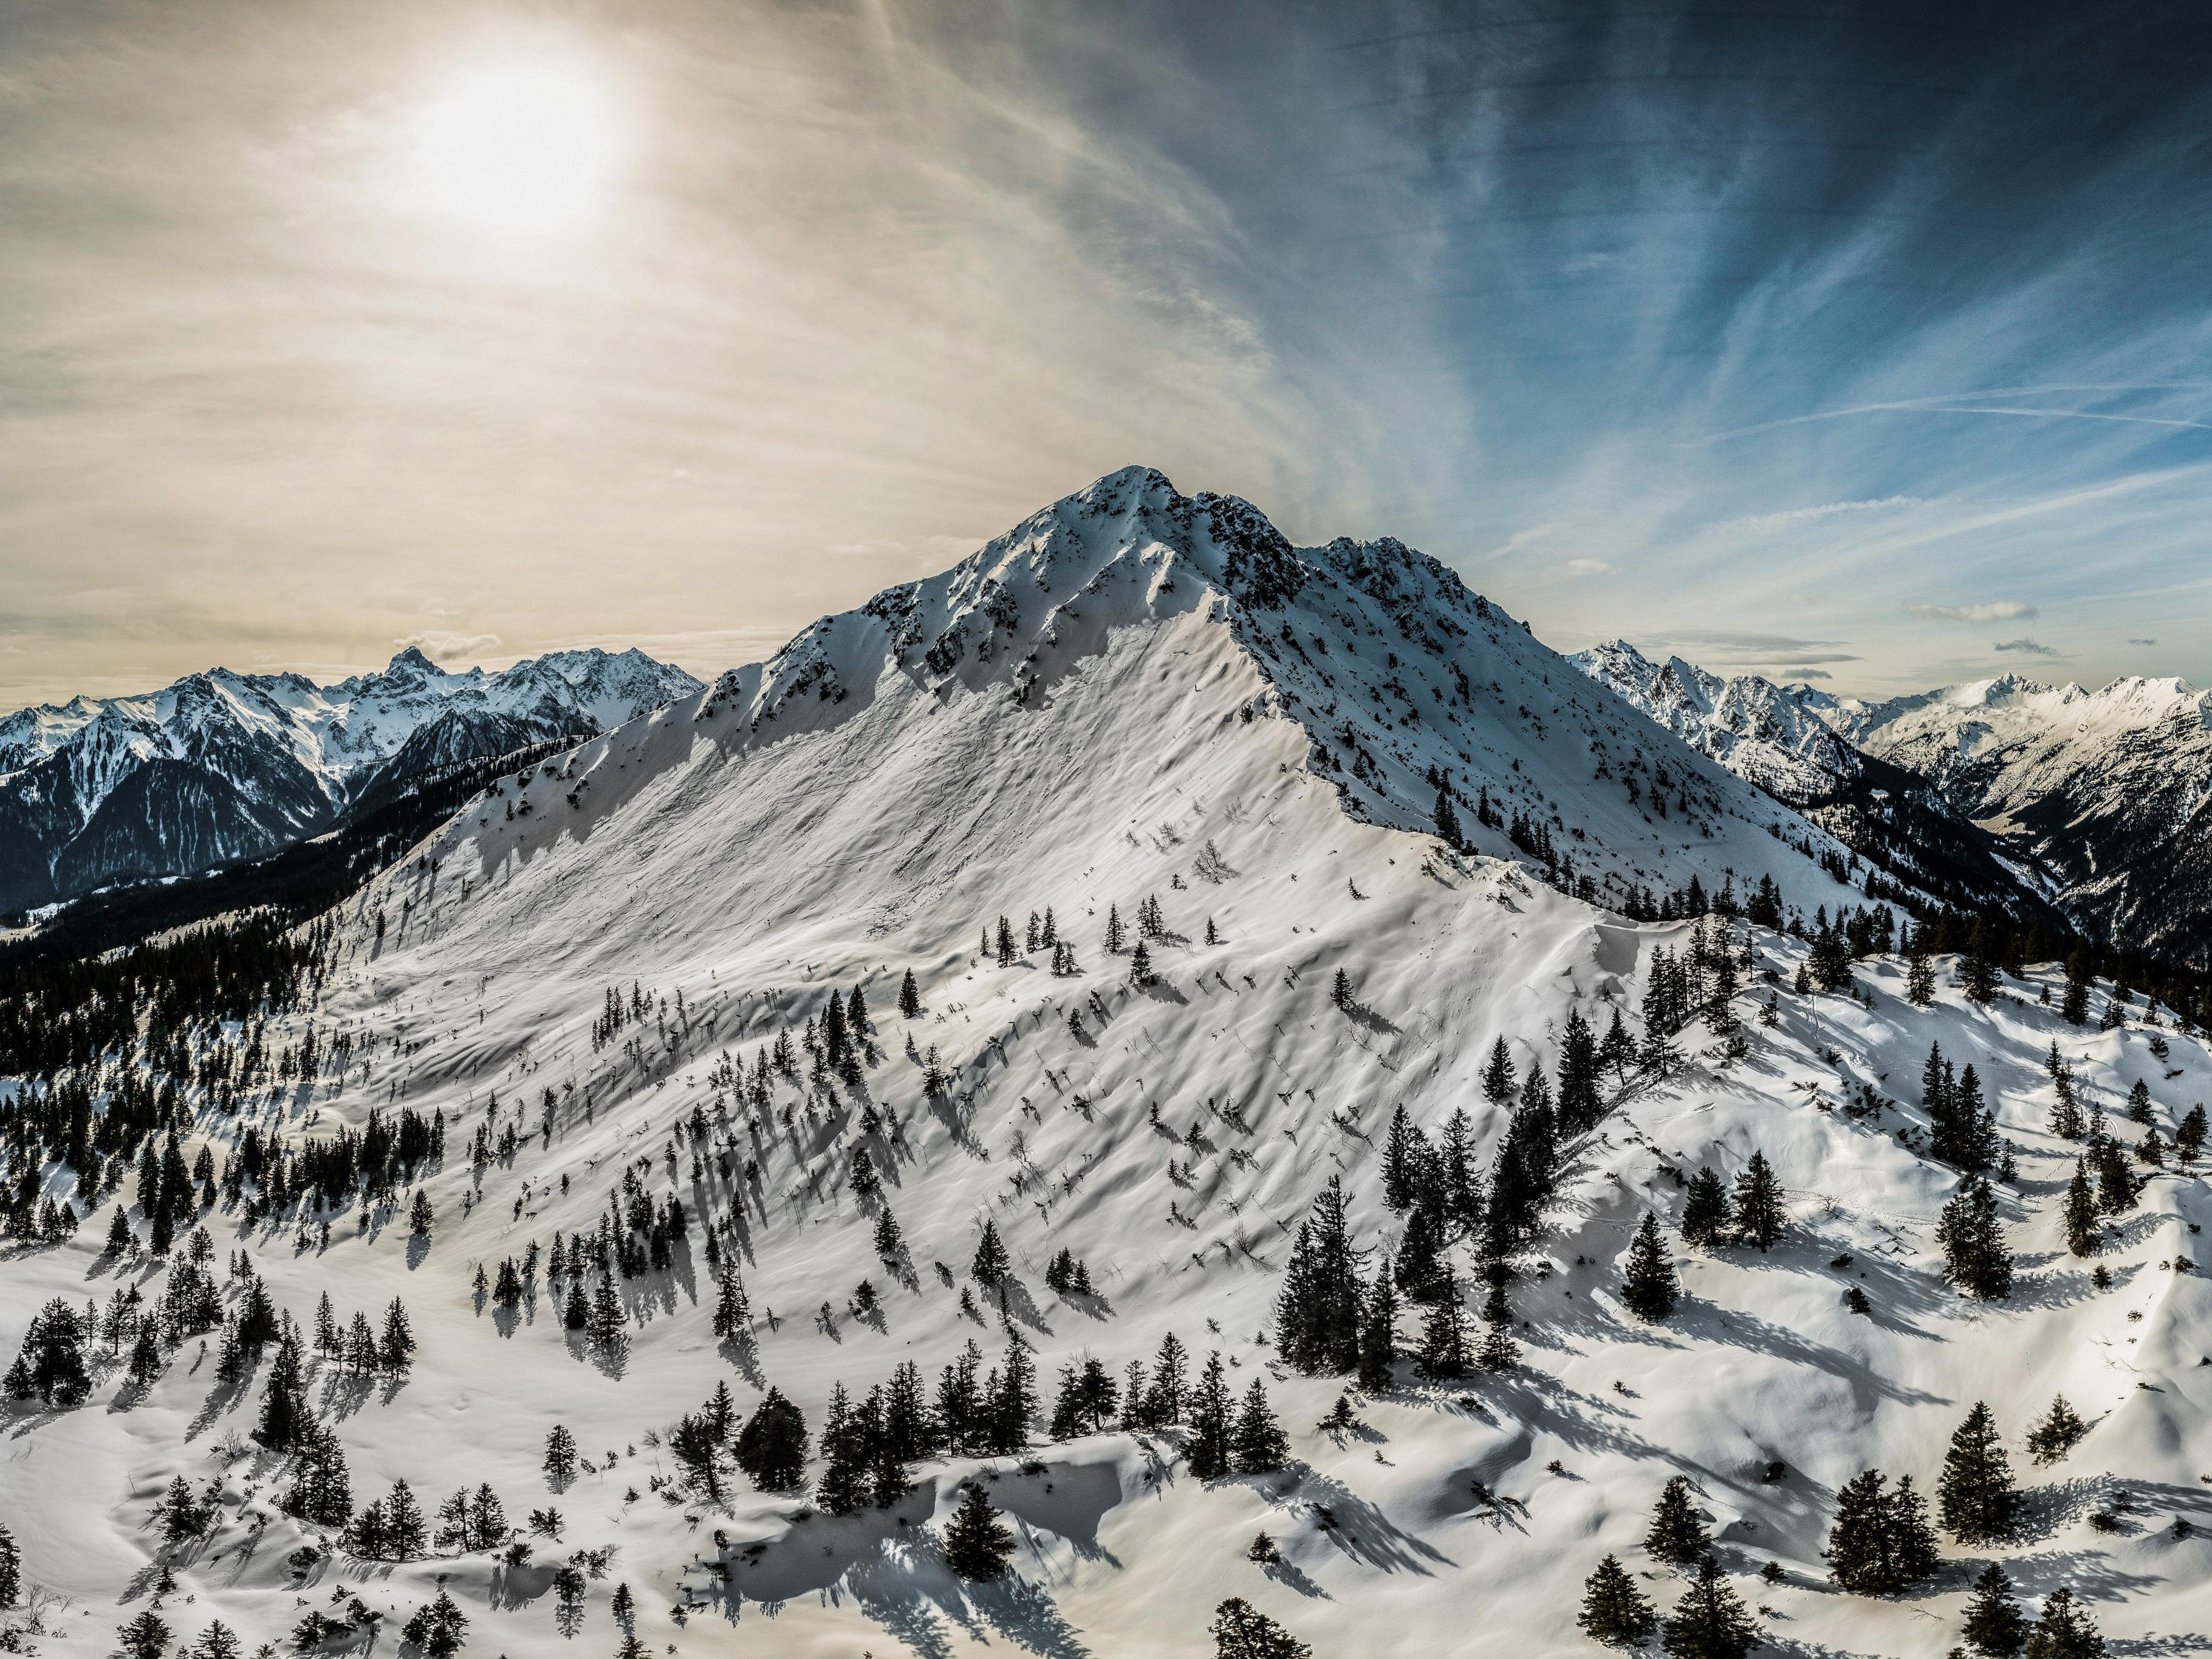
(1803, 515)
(2027, 647)
(1991, 611)
(2142, 641)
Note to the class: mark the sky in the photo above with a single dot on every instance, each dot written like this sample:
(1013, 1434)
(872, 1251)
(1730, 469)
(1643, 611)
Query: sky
(1863, 344)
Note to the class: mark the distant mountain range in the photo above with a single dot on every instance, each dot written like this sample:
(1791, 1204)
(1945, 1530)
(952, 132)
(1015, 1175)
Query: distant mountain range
(222, 766)
(2098, 800)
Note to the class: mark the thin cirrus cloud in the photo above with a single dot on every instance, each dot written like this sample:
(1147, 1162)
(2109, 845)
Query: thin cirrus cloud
(2027, 647)
(1504, 289)
(1988, 612)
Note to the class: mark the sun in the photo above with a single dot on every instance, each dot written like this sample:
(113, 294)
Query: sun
(529, 147)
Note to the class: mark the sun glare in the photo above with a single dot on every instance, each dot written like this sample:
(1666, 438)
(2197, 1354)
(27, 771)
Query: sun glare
(529, 147)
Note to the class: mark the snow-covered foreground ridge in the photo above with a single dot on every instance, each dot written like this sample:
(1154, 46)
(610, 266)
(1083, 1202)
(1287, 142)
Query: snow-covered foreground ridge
(1135, 697)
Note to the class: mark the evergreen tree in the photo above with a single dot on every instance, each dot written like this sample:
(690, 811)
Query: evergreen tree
(1115, 934)
(771, 1447)
(1648, 1289)
(1498, 1075)
(1579, 1103)
(1618, 1052)
(1211, 1423)
(1880, 1541)
(910, 997)
(1258, 1444)
(2055, 1436)
(2084, 1230)
(1614, 1611)
(560, 1457)
(1677, 1536)
(420, 1215)
(1975, 1495)
(1406, 1160)
(2064, 1631)
(1318, 1311)
(396, 1352)
(990, 1264)
(1165, 1398)
(1995, 1627)
(732, 1311)
(1241, 1630)
(1706, 1216)
(1339, 993)
(1443, 1335)
(891, 1244)
(2188, 1140)
(439, 1628)
(843, 1487)
(1759, 1214)
(1378, 1332)
(1711, 1621)
(1976, 1260)
(12, 1570)
(2073, 1009)
(146, 1636)
(976, 1545)
(284, 1401)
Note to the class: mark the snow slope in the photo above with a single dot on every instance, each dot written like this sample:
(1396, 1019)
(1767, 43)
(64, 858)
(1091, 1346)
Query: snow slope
(2108, 788)
(1139, 694)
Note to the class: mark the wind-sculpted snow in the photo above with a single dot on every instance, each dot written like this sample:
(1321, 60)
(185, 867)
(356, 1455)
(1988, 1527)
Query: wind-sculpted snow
(1137, 696)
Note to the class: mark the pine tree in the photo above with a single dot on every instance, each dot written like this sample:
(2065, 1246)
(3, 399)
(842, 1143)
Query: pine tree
(146, 1636)
(1211, 1423)
(607, 1328)
(1498, 1075)
(1241, 1630)
(2064, 1631)
(1976, 1260)
(1115, 934)
(1405, 1158)
(12, 1570)
(2084, 1231)
(2188, 1140)
(1677, 1536)
(1995, 1626)
(1141, 965)
(910, 997)
(1614, 1611)
(1378, 1332)
(1339, 993)
(2051, 1438)
(1976, 1496)
(560, 1457)
(990, 1264)
(396, 1352)
(439, 1629)
(1443, 1335)
(420, 1215)
(1856, 1552)
(1618, 1051)
(1258, 1444)
(1759, 1214)
(733, 1311)
(1711, 1621)
(975, 1546)
(1648, 1289)
(1706, 1215)
(891, 1244)
(2073, 1009)
(771, 1447)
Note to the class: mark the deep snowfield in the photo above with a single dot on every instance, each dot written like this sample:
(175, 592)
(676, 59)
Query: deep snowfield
(884, 816)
